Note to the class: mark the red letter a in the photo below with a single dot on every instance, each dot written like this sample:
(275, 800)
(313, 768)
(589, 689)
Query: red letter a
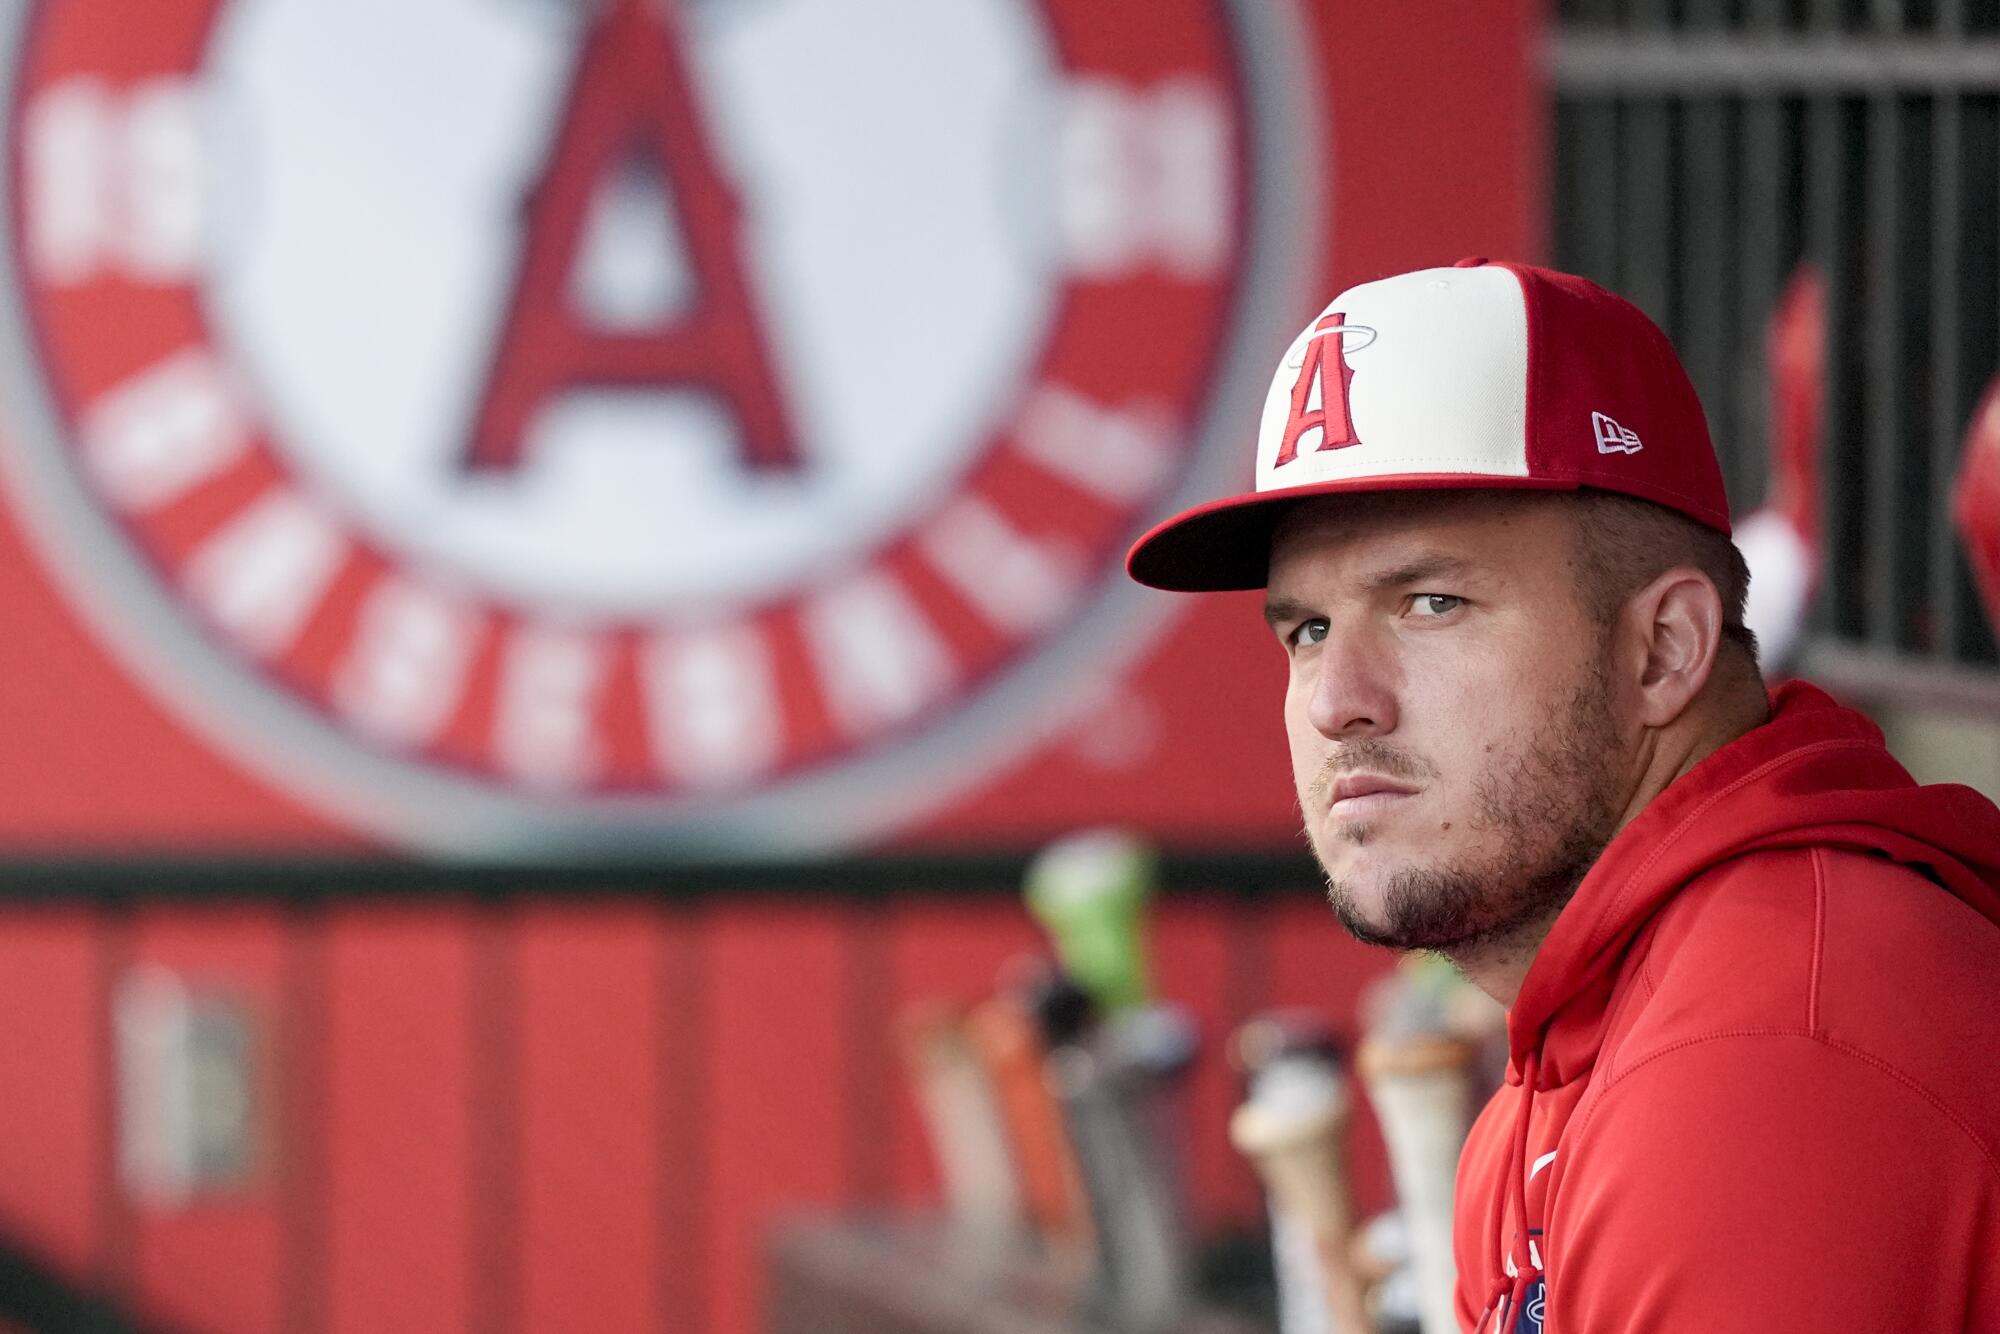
(630, 100)
(1333, 417)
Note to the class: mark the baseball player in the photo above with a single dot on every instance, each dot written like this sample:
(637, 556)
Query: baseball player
(1752, 969)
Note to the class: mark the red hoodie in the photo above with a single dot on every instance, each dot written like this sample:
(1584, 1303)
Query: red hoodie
(1754, 1082)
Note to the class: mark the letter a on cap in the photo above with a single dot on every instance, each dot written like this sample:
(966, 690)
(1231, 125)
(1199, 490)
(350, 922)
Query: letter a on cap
(1333, 416)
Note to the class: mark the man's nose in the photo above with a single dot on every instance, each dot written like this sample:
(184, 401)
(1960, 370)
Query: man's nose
(1353, 689)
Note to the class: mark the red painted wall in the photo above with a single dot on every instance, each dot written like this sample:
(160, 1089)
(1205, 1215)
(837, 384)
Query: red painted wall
(1433, 133)
(557, 1116)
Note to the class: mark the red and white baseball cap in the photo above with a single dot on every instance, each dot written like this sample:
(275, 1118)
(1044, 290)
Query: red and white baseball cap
(1481, 375)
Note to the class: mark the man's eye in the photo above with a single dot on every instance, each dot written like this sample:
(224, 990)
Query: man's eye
(1436, 604)
(1309, 632)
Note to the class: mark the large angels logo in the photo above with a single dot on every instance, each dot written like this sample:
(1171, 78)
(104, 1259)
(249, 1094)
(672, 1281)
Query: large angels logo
(694, 423)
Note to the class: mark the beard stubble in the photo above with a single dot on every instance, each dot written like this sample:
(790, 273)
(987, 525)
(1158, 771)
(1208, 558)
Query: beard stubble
(1547, 803)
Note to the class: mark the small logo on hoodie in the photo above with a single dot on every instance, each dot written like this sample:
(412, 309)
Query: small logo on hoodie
(1533, 1305)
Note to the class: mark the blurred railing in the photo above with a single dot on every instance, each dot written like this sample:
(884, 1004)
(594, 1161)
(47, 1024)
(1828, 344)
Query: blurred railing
(1703, 150)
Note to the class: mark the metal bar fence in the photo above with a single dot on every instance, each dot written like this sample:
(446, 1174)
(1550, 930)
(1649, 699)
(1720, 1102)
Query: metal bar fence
(1706, 148)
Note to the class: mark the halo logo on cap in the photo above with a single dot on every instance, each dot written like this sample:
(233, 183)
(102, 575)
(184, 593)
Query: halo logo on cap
(1313, 409)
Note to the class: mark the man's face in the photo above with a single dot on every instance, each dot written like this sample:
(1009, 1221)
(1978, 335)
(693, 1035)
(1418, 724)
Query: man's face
(1453, 725)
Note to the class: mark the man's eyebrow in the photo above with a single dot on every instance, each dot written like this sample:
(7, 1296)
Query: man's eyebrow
(1417, 571)
(1278, 610)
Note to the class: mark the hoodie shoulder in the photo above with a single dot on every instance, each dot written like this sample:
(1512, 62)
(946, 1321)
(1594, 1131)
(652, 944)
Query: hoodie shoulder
(1732, 862)
(1864, 953)
(1775, 1183)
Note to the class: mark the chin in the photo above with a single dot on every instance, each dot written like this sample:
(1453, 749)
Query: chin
(1363, 879)
(1438, 898)
(1359, 904)
(1376, 849)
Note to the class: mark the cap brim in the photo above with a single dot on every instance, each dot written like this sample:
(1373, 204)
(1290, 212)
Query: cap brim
(1225, 545)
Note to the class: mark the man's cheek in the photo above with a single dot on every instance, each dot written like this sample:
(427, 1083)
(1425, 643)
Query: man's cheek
(1300, 742)
(1303, 769)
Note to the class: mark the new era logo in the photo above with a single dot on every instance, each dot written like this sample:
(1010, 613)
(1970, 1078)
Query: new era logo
(1613, 438)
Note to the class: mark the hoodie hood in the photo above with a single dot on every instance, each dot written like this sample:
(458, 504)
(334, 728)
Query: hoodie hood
(1815, 774)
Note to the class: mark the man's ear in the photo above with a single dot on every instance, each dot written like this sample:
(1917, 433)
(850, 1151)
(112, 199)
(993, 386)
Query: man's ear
(1676, 622)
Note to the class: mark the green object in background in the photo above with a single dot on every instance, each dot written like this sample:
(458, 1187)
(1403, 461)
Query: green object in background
(1089, 892)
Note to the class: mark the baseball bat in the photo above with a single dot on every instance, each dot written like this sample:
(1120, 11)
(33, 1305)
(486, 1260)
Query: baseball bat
(963, 1121)
(1293, 1128)
(1381, 1247)
(1418, 1085)
(1381, 1256)
(1008, 1042)
(1119, 1087)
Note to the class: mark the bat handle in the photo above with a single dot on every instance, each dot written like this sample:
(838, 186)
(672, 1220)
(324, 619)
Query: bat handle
(1419, 1092)
(1300, 1160)
(1346, 1296)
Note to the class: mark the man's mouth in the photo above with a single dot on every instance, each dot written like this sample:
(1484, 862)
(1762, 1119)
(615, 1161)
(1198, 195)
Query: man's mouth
(1355, 795)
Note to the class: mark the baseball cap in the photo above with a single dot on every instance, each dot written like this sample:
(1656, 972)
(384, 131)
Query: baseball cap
(1480, 375)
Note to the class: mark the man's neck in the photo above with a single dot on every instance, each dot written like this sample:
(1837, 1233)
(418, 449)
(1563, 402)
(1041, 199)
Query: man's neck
(1498, 964)
(1665, 755)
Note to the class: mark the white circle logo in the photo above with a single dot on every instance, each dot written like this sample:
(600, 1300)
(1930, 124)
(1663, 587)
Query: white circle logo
(525, 426)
